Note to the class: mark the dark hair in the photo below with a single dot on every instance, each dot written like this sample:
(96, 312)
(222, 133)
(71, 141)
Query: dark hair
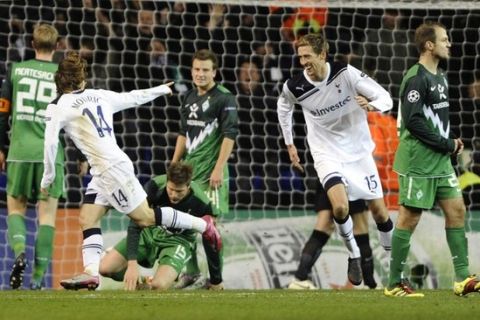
(205, 54)
(180, 173)
(426, 32)
(71, 73)
(315, 40)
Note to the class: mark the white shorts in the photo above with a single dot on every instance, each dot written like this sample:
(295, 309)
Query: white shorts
(117, 187)
(360, 177)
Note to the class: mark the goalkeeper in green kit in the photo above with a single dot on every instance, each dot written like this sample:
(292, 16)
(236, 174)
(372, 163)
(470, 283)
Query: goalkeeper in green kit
(27, 90)
(209, 126)
(171, 247)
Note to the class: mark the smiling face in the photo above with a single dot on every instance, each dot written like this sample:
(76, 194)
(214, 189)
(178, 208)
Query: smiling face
(312, 63)
(203, 74)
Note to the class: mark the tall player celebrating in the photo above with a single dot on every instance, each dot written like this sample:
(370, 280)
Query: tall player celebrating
(86, 115)
(423, 162)
(334, 98)
(26, 93)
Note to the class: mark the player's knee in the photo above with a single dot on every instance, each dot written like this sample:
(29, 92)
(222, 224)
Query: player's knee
(161, 284)
(340, 211)
(104, 270)
(143, 223)
(87, 222)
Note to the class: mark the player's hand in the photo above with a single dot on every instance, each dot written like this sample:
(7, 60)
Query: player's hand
(130, 278)
(294, 158)
(44, 191)
(364, 103)
(2, 161)
(216, 178)
(215, 287)
(169, 85)
(458, 146)
(82, 167)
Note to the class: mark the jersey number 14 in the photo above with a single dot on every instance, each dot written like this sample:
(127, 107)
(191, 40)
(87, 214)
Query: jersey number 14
(101, 125)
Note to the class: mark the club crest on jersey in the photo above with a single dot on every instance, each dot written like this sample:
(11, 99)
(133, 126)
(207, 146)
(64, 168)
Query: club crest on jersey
(337, 85)
(413, 96)
(205, 106)
(441, 89)
(193, 111)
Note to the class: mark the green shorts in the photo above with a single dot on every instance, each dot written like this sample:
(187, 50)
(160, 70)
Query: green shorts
(23, 179)
(218, 197)
(172, 251)
(422, 192)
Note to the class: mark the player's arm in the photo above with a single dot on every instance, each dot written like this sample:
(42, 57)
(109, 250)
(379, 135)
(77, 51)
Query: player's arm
(134, 98)
(285, 105)
(133, 239)
(377, 98)
(180, 148)
(229, 123)
(414, 119)
(53, 126)
(5, 105)
(181, 143)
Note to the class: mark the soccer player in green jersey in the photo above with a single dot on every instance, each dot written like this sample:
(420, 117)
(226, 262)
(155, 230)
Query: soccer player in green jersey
(209, 125)
(423, 164)
(171, 247)
(27, 90)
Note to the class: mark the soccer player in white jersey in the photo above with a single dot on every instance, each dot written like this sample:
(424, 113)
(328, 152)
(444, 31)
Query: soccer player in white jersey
(335, 98)
(86, 115)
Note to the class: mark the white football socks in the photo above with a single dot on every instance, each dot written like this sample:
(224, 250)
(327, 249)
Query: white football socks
(345, 230)
(92, 248)
(172, 218)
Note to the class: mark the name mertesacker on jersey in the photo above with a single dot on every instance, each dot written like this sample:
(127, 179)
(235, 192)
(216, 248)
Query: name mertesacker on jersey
(27, 72)
(333, 107)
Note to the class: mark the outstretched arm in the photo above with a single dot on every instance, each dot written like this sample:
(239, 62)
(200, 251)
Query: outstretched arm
(134, 98)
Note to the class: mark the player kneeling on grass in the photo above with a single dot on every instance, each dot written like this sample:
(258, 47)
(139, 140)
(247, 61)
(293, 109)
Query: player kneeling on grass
(171, 247)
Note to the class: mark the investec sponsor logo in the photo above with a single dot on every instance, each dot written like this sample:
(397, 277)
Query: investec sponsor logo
(331, 108)
(279, 249)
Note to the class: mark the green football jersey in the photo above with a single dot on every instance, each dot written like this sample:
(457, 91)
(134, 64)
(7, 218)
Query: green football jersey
(205, 121)
(195, 203)
(424, 126)
(30, 87)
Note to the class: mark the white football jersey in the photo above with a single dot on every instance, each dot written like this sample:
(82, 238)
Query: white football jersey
(87, 118)
(337, 126)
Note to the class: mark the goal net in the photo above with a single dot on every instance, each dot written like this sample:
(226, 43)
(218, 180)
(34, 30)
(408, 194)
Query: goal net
(137, 44)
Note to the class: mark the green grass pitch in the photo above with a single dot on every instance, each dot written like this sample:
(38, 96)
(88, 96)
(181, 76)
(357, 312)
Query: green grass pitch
(233, 304)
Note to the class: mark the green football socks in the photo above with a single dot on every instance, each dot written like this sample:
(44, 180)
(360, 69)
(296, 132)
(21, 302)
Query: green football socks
(43, 251)
(458, 244)
(400, 248)
(16, 233)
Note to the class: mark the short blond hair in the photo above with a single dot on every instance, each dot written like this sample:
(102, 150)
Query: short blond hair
(45, 38)
(315, 40)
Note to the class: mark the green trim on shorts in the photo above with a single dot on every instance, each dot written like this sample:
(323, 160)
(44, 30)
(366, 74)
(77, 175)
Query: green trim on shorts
(422, 192)
(23, 179)
(220, 201)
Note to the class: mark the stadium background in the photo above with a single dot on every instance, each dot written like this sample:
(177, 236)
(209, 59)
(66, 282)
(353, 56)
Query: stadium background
(137, 44)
